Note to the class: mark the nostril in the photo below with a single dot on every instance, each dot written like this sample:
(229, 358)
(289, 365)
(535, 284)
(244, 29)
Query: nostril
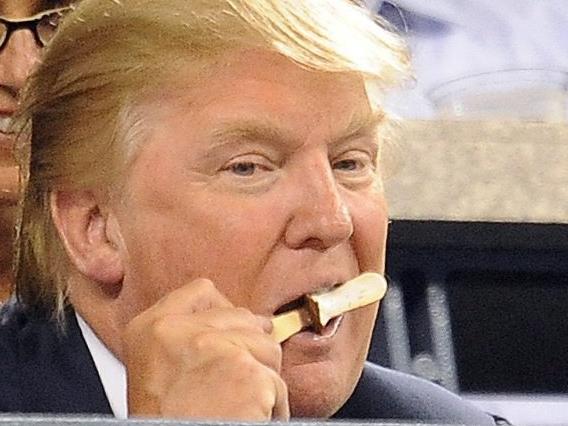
(314, 244)
(318, 232)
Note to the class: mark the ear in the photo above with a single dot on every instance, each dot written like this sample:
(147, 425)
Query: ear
(91, 238)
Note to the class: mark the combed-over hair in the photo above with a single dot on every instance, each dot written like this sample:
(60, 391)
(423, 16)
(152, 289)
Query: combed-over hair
(78, 120)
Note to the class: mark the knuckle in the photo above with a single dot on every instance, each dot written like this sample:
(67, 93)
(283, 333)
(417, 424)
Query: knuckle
(245, 313)
(204, 341)
(203, 286)
(250, 319)
(162, 329)
(245, 362)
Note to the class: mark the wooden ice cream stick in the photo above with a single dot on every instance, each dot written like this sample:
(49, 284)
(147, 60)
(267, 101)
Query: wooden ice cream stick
(320, 308)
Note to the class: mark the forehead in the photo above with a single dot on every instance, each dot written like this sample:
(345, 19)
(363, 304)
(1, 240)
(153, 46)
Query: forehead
(260, 82)
(17, 9)
(260, 98)
(261, 65)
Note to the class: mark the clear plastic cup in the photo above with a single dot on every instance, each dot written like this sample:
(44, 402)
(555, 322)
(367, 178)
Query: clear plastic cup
(524, 94)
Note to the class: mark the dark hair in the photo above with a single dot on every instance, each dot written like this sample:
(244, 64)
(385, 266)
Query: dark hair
(51, 4)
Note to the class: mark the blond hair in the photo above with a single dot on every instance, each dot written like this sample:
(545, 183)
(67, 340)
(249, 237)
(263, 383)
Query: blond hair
(77, 112)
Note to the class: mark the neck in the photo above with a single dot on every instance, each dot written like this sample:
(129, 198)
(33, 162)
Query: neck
(98, 310)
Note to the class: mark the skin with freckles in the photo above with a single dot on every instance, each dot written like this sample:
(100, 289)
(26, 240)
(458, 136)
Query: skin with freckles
(238, 202)
(17, 60)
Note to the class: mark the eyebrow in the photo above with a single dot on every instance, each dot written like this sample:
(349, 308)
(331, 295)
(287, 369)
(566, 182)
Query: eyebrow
(37, 10)
(258, 131)
(361, 126)
(252, 131)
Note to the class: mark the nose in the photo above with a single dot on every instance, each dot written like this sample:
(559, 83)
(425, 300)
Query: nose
(17, 59)
(321, 219)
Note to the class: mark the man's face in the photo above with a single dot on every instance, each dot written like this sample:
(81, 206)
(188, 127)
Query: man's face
(263, 180)
(17, 58)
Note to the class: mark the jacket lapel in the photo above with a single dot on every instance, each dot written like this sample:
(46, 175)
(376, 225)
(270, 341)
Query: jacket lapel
(58, 370)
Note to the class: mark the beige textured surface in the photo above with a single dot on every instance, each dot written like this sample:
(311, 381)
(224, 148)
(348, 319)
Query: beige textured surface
(489, 171)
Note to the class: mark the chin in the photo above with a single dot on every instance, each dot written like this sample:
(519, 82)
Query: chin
(321, 375)
(319, 390)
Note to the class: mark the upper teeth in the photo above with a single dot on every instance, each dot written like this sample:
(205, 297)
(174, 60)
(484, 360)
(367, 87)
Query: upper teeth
(5, 124)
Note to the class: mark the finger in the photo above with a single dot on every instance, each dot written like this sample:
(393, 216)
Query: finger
(267, 397)
(233, 319)
(184, 326)
(281, 409)
(261, 346)
(214, 334)
(234, 346)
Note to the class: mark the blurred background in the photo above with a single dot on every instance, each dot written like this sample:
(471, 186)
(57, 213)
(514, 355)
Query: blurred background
(478, 248)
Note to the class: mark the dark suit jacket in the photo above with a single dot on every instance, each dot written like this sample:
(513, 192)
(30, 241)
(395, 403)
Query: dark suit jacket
(46, 370)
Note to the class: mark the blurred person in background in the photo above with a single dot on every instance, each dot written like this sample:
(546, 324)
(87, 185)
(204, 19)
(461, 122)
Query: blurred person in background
(25, 27)
(194, 168)
(502, 64)
(510, 54)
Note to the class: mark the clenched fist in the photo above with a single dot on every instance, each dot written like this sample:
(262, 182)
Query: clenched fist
(194, 355)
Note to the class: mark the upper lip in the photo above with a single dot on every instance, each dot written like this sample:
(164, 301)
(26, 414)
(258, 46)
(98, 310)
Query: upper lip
(321, 284)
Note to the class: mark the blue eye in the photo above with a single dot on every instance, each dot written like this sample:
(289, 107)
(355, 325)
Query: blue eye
(349, 165)
(243, 168)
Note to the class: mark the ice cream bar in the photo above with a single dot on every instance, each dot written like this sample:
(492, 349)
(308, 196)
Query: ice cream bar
(319, 308)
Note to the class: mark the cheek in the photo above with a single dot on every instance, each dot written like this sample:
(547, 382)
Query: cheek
(238, 245)
(370, 222)
(227, 242)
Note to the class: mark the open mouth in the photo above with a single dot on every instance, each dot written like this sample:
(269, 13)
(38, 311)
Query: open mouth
(304, 305)
(294, 304)
(302, 300)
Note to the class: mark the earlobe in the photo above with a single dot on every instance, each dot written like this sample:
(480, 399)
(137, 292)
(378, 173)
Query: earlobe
(89, 237)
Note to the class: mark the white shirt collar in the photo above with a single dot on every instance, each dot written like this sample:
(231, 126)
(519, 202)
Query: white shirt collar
(111, 371)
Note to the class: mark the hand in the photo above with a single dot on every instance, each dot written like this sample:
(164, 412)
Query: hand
(194, 355)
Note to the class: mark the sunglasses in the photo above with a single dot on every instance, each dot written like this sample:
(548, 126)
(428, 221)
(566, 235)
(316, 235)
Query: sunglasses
(43, 26)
